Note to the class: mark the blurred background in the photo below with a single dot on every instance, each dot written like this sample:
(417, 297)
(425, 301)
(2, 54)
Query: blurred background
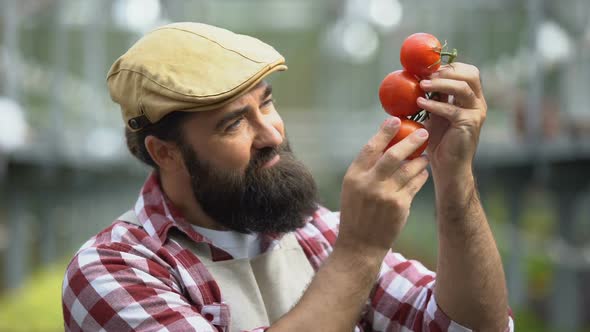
(65, 172)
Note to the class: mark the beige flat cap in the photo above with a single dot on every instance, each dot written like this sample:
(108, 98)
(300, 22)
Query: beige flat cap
(188, 67)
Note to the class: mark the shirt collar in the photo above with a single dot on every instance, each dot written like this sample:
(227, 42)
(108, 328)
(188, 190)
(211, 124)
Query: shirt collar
(158, 216)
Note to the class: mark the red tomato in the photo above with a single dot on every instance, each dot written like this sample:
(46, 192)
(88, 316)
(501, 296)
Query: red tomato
(398, 93)
(406, 128)
(421, 54)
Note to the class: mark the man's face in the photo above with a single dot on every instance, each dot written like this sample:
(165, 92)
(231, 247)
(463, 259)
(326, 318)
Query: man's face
(241, 168)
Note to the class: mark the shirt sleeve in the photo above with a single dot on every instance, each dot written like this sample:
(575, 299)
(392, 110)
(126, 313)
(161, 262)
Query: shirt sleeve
(403, 299)
(115, 288)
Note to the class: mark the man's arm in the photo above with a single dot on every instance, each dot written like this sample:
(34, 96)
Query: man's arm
(334, 299)
(115, 287)
(469, 257)
(470, 286)
(376, 195)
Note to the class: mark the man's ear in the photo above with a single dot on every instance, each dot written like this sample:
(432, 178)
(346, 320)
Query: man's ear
(165, 154)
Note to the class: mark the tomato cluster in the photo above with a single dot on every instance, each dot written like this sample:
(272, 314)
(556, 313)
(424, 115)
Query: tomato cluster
(421, 55)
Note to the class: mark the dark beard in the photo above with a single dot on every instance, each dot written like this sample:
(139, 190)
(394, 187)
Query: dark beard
(272, 200)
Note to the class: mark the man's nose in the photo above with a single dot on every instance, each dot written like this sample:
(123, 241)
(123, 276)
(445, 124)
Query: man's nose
(267, 135)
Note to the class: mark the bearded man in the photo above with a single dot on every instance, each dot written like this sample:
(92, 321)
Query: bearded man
(227, 234)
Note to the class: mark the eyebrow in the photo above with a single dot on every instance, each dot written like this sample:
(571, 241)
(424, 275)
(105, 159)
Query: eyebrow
(243, 110)
(232, 115)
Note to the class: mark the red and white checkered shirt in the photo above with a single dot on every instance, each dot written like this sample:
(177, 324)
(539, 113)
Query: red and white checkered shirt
(130, 278)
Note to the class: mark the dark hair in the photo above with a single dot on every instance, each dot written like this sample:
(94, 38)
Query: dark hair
(169, 128)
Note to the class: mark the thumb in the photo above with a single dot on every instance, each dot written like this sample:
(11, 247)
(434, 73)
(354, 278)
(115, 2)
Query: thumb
(373, 150)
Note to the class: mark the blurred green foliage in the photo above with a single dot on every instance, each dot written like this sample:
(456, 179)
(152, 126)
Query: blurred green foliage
(36, 306)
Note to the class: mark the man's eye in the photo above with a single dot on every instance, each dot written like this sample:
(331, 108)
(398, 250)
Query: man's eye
(267, 102)
(234, 124)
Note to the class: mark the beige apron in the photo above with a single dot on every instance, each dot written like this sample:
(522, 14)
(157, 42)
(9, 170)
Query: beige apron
(258, 290)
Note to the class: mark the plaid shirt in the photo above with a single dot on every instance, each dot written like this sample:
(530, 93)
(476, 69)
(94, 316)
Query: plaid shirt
(130, 278)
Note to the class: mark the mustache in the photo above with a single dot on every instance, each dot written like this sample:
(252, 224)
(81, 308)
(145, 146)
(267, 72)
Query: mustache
(266, 154)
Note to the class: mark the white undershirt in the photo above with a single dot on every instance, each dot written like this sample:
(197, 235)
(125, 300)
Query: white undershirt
(237, 244)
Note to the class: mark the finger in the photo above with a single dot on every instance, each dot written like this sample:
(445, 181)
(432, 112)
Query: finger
(409, 170)
(371, 152)
(461, 90)
(395, 155)
(415, 184)
(462, 72)
(448, 111)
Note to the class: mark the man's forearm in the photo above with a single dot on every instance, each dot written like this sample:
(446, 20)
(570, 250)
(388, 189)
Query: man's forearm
(335, 297)
(377, 192)
(470, 285)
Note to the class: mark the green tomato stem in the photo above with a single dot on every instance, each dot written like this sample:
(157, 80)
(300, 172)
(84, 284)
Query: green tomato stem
(451, 55)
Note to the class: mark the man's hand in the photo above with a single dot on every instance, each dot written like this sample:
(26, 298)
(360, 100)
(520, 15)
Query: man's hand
(455, 125)
(377, 191)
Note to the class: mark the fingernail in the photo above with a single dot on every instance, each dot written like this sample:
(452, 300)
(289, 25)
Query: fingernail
(392, 122)
(422, 133)
(421, 100)
(426, 83)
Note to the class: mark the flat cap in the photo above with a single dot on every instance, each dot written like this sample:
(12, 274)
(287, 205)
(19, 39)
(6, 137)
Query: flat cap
(188, 67)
